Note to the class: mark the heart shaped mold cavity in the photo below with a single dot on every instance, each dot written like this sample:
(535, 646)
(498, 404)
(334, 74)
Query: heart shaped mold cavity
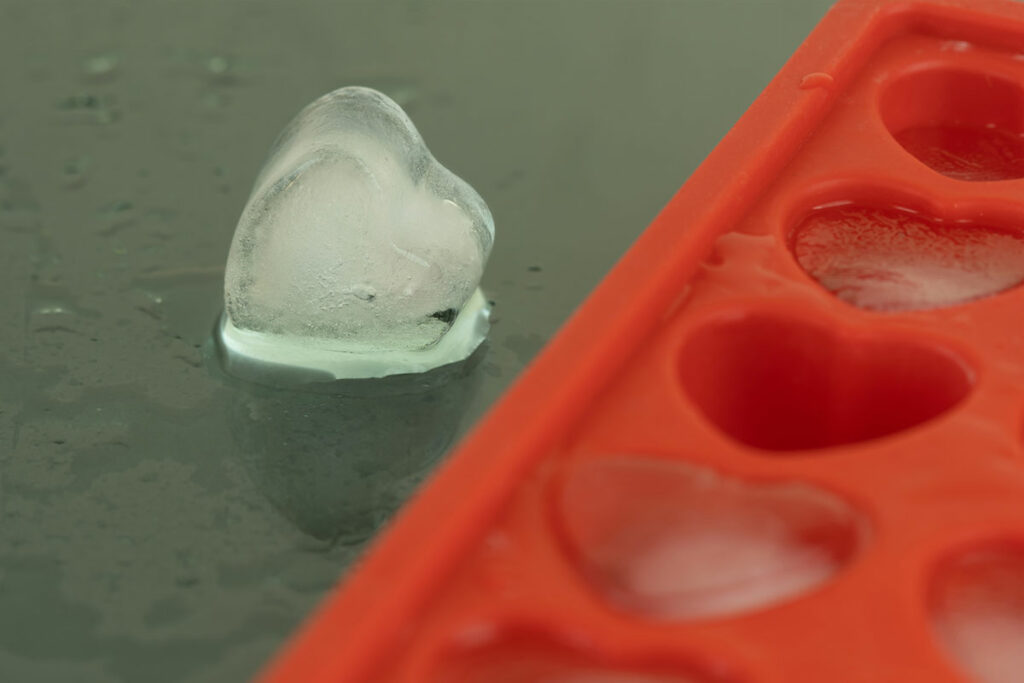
(522, 658)
(783, 385)
(963, 124)
(977, 610)
(672, 541)
(896, 259)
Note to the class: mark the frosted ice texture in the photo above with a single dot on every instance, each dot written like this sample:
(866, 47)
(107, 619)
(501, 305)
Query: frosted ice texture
(896, 259)
(357, 245)
(678, 542)
(977, 603)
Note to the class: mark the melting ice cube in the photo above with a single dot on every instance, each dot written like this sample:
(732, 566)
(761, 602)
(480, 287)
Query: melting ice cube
(357, 254)
(674, 541)
(977, 609)
(896, 259)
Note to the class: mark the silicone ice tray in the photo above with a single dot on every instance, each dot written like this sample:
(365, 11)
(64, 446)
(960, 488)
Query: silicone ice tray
(782, 440)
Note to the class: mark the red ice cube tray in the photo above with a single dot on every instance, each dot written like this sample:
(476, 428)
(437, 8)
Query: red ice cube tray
(782, 440)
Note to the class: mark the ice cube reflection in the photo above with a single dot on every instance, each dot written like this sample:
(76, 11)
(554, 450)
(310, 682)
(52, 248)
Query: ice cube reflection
(338, 458)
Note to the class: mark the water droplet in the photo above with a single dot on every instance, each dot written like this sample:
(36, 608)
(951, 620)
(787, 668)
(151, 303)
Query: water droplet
(218, 65)
(51, 310)
(817, 80)
(76, 171)
(100, 66)
(79, 101)
(221, 69)
(116, 206)
(955, 46)
(88, 108)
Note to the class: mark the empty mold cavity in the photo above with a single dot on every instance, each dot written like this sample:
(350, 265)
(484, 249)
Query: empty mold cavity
(523, 659)
(963, 124)
(977, 610)
(671, 541)
(784, 385)
(898, 259)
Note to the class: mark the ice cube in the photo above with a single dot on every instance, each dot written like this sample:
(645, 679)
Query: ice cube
(357, 254)
(977, 609)
(674, 541)
(897, 259)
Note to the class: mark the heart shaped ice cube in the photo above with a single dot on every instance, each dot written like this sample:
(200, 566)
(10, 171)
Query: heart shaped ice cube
(357, 254)
(895, 259)
(977, 609)
(676, 542)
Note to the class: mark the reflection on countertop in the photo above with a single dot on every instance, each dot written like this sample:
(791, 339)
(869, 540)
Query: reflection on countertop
(338, 458)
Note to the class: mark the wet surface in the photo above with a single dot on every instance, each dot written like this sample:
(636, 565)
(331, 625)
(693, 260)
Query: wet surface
(161, 522)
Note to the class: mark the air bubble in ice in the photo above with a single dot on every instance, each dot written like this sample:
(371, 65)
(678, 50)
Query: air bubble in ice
(358, 254)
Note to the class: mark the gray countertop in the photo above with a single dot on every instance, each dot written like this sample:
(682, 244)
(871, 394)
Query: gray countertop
(162, 522)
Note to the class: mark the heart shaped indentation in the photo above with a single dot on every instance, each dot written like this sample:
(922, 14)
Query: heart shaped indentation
(977, 609)
(674, 541)
(895, 259)
(964, 124)
(355, 240)
(781, 384)
(525, 657)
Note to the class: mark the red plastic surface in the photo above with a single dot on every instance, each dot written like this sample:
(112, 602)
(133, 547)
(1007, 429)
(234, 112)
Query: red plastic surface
(782, 440)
